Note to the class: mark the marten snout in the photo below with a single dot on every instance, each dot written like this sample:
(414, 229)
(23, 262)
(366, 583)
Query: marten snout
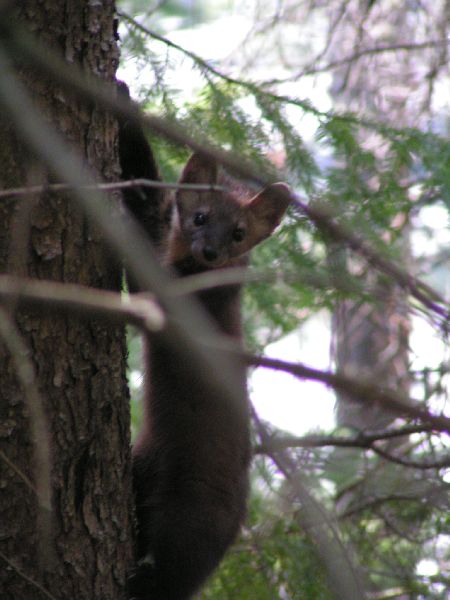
(210, 254)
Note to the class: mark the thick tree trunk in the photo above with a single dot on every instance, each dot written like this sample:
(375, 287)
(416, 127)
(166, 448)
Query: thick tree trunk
(84, 548)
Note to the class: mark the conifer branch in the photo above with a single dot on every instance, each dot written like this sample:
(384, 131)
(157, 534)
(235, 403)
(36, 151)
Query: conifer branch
(255, 88)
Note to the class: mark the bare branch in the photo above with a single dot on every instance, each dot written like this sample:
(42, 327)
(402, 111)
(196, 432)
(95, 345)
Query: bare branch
(108, 187)
(139, 309)
(383, 49)
(362, 440)
(360, 391)
(18, 472)
(365, 441)
(21, 574)
(237, 275)
(414, 464)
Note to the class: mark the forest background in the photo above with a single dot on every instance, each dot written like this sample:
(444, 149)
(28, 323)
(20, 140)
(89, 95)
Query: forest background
(348, 102)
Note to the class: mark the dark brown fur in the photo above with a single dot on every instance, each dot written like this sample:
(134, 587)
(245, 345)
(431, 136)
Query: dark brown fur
(191, 458)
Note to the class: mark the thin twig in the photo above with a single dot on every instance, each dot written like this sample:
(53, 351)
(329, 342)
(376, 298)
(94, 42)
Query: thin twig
(25, 577)
(360, 391)
(118, 185)
(362, 440)
(414, 464)
(18, 472)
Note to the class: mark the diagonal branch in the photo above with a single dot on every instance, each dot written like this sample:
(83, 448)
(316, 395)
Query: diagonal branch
(362, 440)
(382, 49)
(360, 391)
(407, 462)
(12, 565)
(365, 441)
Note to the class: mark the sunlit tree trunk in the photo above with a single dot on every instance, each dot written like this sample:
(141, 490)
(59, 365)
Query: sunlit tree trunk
(79, 546)
(371, 338)
(371, 341)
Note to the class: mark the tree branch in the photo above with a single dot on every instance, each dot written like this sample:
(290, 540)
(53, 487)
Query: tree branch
(414, 464)
(361, 440)
(140, 309)
(28, 579)
(324, 219)
(366, 441)
(118, 185)
(313, 70)
(360, 391)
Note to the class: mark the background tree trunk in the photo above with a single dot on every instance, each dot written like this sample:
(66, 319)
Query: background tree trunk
(83, 550)
(371, 338)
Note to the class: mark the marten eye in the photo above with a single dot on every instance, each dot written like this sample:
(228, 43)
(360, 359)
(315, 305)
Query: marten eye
(238, 234)
(199, 219)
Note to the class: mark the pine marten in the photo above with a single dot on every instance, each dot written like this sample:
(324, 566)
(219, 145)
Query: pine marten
(192, 455)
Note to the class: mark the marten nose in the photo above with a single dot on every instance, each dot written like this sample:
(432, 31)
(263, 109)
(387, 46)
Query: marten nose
(210, 254)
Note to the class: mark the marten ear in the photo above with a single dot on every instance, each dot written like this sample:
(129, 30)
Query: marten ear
(266, 209)
(199, 169)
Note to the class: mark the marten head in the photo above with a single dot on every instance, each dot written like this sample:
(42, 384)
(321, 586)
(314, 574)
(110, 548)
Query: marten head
(216, 228)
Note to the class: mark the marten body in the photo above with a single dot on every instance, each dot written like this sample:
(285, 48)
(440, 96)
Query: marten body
(192, 455)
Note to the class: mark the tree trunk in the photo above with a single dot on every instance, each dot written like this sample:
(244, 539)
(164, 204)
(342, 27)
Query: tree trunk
(371, 339)
(82, 548)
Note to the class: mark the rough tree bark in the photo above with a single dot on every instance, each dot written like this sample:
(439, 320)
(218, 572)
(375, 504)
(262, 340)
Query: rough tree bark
(83, 550)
